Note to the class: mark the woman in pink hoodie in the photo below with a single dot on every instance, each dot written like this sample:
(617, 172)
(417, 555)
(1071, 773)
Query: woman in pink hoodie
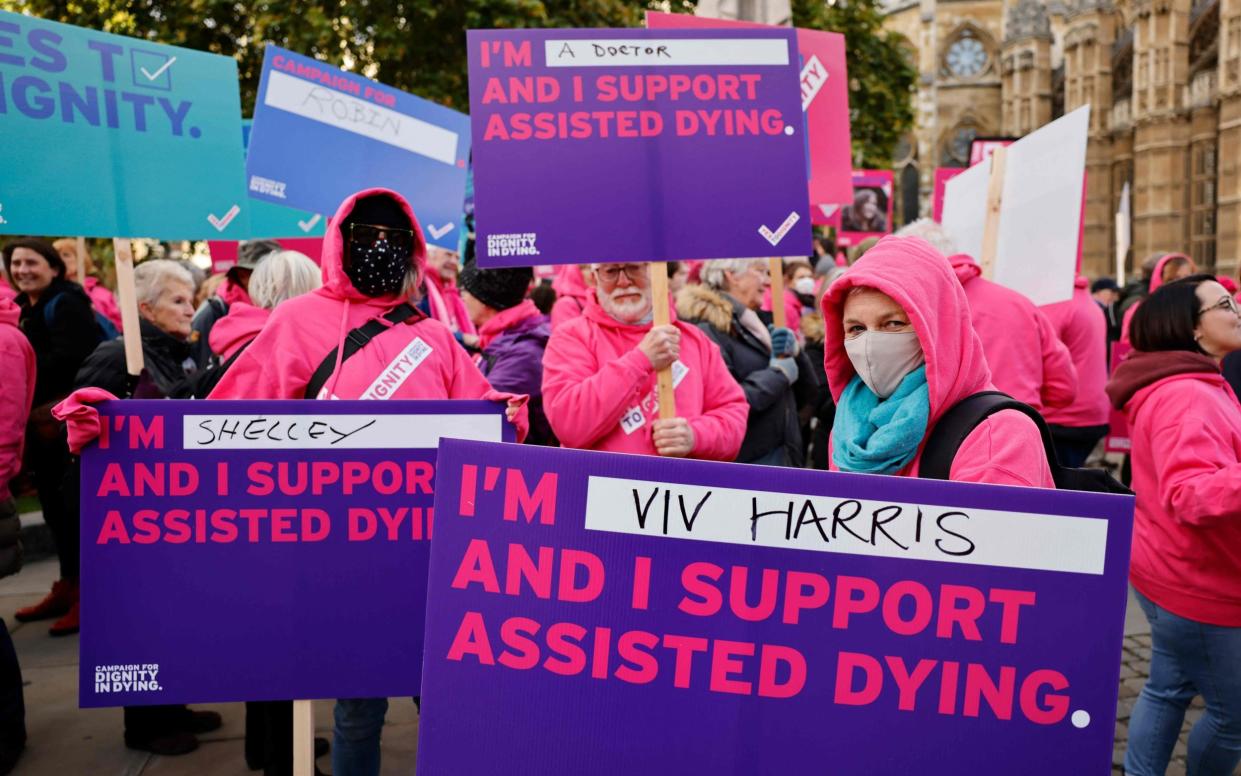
(374, 255)
(1185, 424)
(899, 351)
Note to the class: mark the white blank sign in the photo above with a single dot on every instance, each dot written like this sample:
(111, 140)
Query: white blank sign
(1040, 213)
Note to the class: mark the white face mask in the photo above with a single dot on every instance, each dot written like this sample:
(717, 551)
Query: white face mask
(882, 359)
(804, 286)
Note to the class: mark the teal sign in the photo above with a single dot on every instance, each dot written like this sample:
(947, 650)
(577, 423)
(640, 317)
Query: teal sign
(271, 221)
(108, 136)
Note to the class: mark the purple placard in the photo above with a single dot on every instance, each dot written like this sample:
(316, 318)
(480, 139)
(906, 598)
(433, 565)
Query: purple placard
(640, 621)
(321, 600)
(636, 145)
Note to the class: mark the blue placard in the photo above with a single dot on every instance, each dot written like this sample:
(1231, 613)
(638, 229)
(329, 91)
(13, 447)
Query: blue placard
(272, 221)
(321, 134)
(108, 136)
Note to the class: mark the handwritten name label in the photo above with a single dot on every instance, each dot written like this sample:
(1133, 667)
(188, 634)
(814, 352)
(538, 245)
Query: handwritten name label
(848, 525)
(338, 109)
(340, 432)
(642, 52)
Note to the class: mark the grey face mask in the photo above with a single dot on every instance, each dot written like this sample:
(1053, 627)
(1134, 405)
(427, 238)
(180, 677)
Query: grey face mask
(882, 359)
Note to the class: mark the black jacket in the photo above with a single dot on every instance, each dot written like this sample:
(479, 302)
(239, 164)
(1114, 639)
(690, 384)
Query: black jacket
(62, 330)
(167, 364)
(773, 421)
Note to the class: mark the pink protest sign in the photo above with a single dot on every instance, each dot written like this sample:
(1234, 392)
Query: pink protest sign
(870, 214)
(224, 252)
(1117, 440)
(824, 100)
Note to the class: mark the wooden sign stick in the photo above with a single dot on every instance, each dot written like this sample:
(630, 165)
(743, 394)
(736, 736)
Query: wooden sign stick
(662, 317)
(776, 268)
(82, 261)
(991, 228)
(128, 299)
(303, 738)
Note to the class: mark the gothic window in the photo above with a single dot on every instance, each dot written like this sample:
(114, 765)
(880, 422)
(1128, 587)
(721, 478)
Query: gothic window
(956, 150)
(1202, 204)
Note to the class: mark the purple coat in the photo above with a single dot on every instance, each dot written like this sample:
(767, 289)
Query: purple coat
(512, 361)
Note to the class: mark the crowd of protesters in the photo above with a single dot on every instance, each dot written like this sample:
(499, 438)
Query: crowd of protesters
(875, 350)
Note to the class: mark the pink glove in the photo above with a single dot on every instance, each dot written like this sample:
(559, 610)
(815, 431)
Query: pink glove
(517, 412)
(80, 416)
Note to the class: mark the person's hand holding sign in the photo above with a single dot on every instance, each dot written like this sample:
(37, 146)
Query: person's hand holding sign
(662, 345)
(673, 437)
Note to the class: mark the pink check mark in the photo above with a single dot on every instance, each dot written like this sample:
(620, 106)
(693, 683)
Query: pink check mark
(222, 222)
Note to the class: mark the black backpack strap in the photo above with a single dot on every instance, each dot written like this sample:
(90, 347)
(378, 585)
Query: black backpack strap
(357, 339)
(958, 422)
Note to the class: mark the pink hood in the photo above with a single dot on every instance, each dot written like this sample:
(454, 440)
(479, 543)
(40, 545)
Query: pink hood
(1028, 361)
(599, 389)
(17, 364)
(572, 294)
(232, 292)
(1157, 275)
(242, 324)
(921, 281)
(447, 306)
(302, 332)
(6, 291)
(1007, 447)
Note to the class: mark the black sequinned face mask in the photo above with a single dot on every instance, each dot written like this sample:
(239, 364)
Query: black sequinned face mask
(377, 269)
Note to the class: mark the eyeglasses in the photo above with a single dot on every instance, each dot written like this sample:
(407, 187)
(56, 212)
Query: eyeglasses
(369, 234)
(1227, 303)
(611, 273)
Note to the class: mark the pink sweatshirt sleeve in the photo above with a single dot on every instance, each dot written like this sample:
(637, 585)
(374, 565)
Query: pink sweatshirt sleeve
(1199, 474)
(719, 430)
(584, 401)
(1059, 375)
(1005, 449)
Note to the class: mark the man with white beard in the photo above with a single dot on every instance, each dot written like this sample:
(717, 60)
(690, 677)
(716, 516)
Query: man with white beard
(599, 377)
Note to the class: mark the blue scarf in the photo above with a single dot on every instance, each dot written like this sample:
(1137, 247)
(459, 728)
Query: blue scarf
(874, 436)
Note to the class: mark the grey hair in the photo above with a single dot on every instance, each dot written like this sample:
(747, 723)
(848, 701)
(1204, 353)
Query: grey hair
(932, 232)
(152, 277)
(281, 276)
(712, 272)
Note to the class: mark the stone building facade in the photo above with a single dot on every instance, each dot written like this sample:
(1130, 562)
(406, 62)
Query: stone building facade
(1163, 78)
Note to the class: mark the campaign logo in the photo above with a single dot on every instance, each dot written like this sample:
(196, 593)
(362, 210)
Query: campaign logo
(515, 244)
(133, 677)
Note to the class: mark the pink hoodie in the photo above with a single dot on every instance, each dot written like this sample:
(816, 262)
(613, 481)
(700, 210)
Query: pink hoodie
(599, 389)
(242, 324)
(572, 294)
(302, 331)
(1028, 361)
(1186, 432)
(1081, 326)
(1006, 448)
(6, 291)
(1155, 282)
(17, 364)
(232, 292)
(103, 301)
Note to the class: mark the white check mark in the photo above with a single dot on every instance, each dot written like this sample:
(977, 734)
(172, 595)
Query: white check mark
(221, 223)
(439, 231)
(309, 223)
(775, 237)
(157, 73)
